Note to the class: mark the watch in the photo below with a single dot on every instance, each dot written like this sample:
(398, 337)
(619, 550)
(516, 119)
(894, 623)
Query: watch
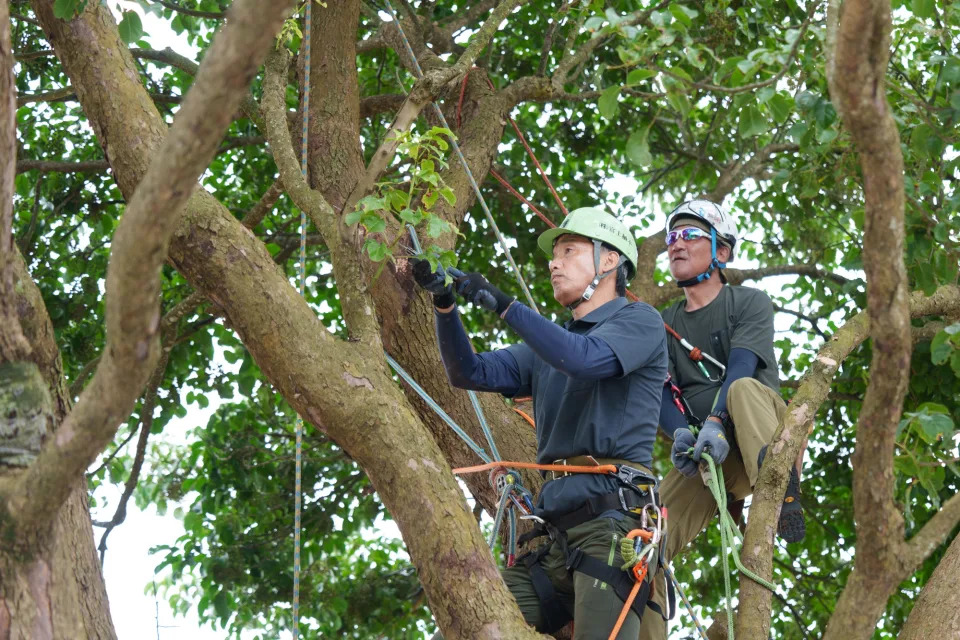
(725, 420)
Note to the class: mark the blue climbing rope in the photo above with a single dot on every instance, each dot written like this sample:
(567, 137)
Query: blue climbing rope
(301, 274)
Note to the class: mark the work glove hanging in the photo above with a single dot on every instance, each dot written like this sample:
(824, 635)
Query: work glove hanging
(476, 289)
(713, 437)
(433, 282)
(683, 441)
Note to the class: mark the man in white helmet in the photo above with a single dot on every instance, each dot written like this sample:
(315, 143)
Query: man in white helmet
(730, 395)
(596, 386)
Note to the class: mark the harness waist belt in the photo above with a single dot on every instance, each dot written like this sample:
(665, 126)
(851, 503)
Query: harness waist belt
(624, 499)
(590, 461)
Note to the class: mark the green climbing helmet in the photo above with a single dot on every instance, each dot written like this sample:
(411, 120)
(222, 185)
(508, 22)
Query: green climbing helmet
(596, 224)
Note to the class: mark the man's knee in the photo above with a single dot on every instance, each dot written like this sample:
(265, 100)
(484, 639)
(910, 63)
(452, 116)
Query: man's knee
(742, 388)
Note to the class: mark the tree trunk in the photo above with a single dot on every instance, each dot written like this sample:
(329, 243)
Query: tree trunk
(50, 584)
(937, 611)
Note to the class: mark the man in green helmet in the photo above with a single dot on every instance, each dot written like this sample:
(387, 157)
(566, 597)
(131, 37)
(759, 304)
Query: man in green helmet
(596, 385)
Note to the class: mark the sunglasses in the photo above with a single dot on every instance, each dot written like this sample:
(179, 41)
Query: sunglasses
(688, 234)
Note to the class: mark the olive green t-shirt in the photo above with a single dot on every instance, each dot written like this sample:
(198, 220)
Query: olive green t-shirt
(739, 317)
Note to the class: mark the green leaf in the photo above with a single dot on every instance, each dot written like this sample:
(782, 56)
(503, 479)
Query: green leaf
(680, 15)
(221, 605)
(373, 223)
(932, 420)
(430, 199)
(427, 166)
(353, 217)
(639, 75)
(409, 216)
(608, 103)
(940, 348)
(66, 9)
(955, 363)
(447, 194)
(638, 147)
(371, 203)
(130, 27)
(398, 199)
(826, 136)
(780, 107)
(752, 123)
(436, 226)
(924, 8)
(376, 250)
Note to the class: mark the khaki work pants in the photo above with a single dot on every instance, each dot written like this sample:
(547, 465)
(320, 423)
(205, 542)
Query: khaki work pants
(756, 411)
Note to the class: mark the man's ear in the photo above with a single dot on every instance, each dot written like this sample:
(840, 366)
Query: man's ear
(609, 260)
(723, 253)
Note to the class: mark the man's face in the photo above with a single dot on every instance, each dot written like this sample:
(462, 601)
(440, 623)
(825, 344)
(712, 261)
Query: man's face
(571, 268)
(690, 258)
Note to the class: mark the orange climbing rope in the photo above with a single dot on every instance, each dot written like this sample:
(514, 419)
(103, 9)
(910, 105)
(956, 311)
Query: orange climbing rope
(566, 468)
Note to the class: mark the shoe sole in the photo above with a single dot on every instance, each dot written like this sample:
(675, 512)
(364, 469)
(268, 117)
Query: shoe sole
(792, 526)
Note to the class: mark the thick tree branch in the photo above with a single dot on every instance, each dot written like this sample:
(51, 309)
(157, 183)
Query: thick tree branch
(138, 250)
(738, 276)
(857, 90)
(936, 613)
(812, 390)
(13, 344)
(356, 303)
(933, 534)
(98, 166)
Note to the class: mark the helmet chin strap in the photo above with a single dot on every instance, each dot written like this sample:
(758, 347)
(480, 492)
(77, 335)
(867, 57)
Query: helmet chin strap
(714, 264)
(592, 287)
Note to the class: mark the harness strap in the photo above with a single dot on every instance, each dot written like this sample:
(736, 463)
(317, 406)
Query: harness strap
(621, 581)
(555, 613)
(623, 499)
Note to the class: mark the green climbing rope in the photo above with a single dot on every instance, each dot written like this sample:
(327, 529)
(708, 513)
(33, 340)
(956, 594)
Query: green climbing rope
(713, 478)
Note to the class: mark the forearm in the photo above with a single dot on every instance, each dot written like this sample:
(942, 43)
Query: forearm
(468, 370)
(742, 363)
(577, 356)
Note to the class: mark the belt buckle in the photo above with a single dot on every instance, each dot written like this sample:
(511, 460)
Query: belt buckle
(630, 475)
(560, 474)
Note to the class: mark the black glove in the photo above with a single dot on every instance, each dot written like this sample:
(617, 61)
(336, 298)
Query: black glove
(712, 436)
(433, 282)
(475, 288)
(683, 440)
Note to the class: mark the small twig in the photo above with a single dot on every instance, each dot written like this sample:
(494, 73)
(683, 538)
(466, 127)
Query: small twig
(258, 212)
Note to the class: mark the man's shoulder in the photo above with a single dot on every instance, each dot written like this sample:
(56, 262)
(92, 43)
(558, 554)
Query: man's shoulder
(749, 296)
(639, 311)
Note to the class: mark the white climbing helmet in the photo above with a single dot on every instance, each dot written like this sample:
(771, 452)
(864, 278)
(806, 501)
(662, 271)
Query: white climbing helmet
(714, 216)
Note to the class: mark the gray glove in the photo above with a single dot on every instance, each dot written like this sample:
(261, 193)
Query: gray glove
(683, 440)
(712, 437)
